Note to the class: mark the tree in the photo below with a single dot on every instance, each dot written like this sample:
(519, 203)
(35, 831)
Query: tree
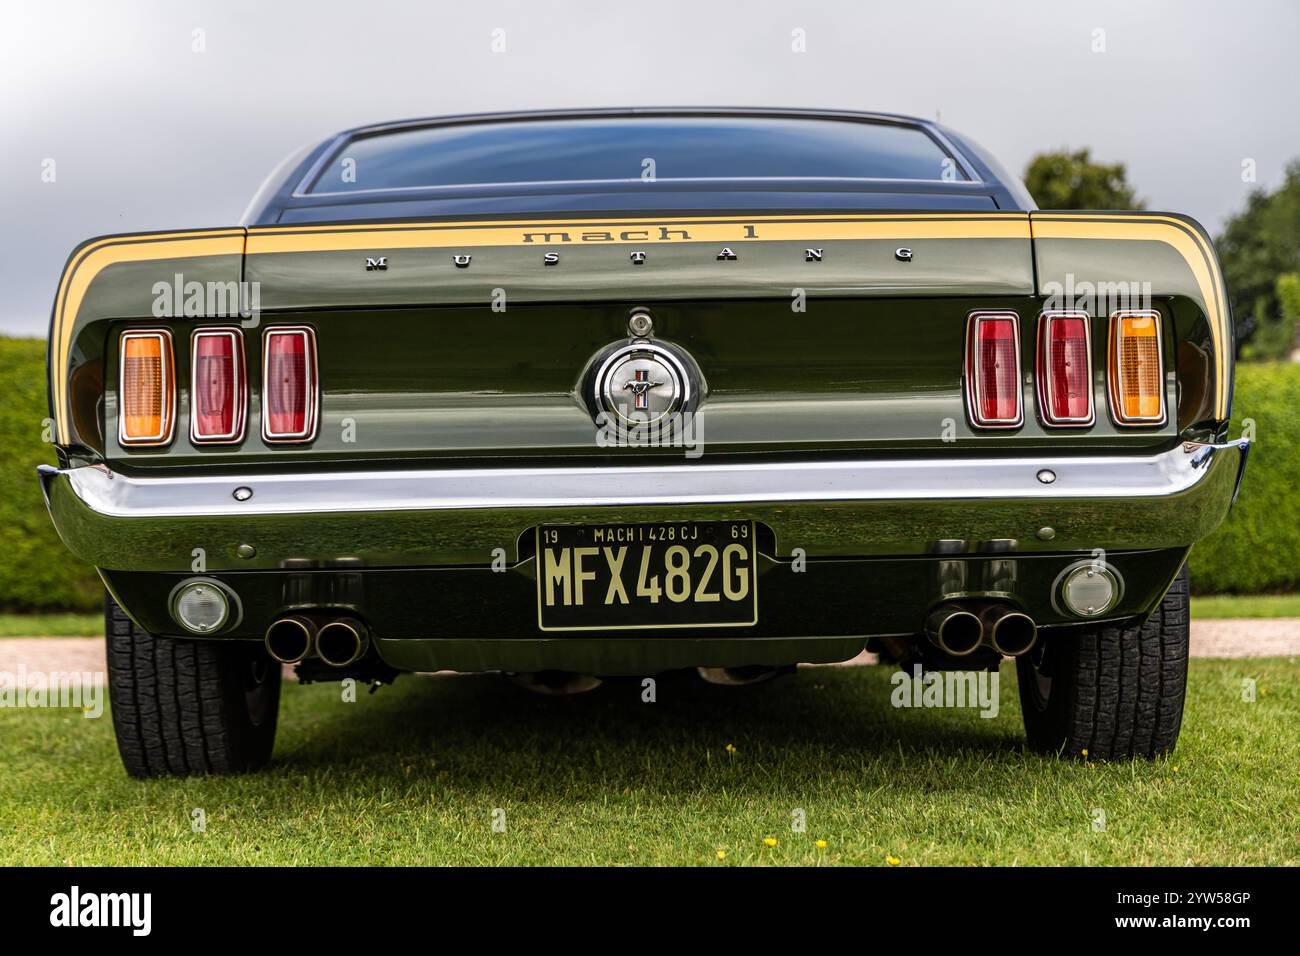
(1283, 331)
(1065, 180)
(1257, 246)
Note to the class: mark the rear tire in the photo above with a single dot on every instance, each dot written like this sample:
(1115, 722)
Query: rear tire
(184, 707)
(1110, 692)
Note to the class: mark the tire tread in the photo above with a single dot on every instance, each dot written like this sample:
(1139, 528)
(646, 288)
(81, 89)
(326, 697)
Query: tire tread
(1117, 690)
(178, 705)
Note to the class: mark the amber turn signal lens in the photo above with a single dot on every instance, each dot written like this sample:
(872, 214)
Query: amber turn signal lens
(146, 388)
(1136, 368)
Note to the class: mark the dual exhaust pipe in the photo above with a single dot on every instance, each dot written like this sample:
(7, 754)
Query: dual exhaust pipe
(337, 641)
(959, 630)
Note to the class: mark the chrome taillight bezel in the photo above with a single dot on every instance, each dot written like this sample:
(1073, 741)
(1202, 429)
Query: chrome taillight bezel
(1042, 371)
(972, 386)
(167, 385)
(236, 334)
(1114, 398)
(312, 406)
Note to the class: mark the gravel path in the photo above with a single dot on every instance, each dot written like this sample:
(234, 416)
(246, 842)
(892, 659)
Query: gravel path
(1259, 637)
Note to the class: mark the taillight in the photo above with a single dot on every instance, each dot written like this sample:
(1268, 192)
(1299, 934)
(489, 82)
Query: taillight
(993, 369)
(217, 388)
(1065, 368)
(147, 388)
(289, 388)
(1137, 393)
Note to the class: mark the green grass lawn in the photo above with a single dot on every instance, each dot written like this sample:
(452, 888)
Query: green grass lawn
(1246, 605)
(414, 773)
(51, 625)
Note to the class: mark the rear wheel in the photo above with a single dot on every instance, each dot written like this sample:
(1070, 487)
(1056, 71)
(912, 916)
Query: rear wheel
(183, 707)
(1110, 692)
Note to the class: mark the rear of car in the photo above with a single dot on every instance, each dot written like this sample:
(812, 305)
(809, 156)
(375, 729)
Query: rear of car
(618, 392)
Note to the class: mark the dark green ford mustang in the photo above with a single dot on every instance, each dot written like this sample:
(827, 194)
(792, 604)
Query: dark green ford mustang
(616, 392)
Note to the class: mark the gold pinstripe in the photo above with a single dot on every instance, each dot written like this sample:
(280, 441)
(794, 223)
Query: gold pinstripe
(94, 257)
(1186, 241)
(703, 229)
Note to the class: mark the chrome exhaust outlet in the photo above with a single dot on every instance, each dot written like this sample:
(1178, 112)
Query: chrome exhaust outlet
(954, 630)
(1008, 631)
(291, 639)
(342, 641)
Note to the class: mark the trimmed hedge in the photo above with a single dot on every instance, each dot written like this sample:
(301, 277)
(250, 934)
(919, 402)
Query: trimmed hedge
(1257, 549)
(36, 571)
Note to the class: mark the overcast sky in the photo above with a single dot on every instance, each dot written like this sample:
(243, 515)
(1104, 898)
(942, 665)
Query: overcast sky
(147, 132)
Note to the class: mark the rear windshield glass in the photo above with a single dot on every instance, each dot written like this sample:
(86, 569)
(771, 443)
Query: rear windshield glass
(634, 148)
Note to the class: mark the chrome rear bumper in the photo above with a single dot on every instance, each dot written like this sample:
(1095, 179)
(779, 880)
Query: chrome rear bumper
(460, 516)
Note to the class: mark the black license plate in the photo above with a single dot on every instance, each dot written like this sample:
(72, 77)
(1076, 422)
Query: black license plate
(654, 575)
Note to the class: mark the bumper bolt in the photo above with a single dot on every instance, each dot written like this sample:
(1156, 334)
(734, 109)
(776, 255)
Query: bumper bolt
(242, 493)
(1047, 476)
(246, 551)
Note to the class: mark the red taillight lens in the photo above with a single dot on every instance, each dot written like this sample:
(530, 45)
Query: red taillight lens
(289, 389)
(146, 388)
(1065, 368)
(217, 390)
(993, 369)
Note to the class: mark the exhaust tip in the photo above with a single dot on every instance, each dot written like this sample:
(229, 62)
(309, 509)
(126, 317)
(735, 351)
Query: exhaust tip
(289, 639)
(342, 642)
(1013, 634)
(955, 631)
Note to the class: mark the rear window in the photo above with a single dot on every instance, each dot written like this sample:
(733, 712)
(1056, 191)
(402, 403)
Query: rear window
(671, 148)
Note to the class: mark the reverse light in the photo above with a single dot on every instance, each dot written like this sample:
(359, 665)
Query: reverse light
(290, 393)
(1088, 590)
(218, 392)
(1137, 394)
(146, 387)
(993, 369)
(1065, 368)
(200, 607)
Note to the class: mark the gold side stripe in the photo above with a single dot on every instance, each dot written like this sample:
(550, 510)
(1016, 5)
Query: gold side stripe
(536, 223)
(636, 232)
(1187, 242)
(93, 259)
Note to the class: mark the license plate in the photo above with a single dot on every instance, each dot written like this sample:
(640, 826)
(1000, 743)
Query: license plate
(654, 575)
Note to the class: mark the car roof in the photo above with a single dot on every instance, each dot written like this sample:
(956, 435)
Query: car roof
(285, 197)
